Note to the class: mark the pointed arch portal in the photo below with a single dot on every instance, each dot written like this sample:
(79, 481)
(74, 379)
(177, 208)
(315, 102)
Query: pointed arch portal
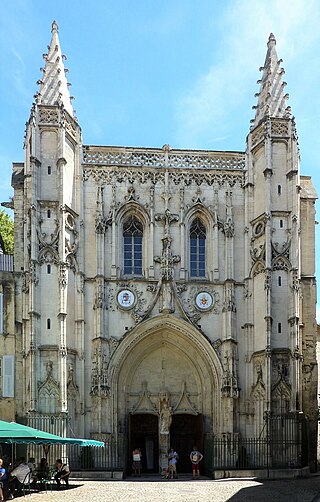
(165, 357)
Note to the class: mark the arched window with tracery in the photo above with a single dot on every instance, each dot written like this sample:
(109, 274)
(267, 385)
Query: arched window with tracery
(132, 246)
(197, 249)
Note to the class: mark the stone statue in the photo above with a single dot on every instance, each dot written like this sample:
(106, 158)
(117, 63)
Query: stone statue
(49, 368)
(165, 419)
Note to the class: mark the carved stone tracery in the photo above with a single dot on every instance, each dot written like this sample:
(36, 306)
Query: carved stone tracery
(99, 377)
(163, 158)
(143, 176)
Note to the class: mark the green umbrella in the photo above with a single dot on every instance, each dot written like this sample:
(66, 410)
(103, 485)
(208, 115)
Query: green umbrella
(11, 432)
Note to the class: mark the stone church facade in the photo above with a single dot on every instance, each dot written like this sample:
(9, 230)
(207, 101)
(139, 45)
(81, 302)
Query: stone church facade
(163, 295)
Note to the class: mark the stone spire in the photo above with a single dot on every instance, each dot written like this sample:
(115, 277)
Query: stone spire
(54, 87)
(271, 98)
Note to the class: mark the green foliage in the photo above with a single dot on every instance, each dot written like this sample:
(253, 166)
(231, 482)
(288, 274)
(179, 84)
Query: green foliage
(7, 232)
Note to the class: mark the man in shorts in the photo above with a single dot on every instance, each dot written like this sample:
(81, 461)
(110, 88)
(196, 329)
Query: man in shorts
(195, 457)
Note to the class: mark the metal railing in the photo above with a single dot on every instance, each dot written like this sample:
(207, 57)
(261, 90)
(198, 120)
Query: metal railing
(283, 446)
(109, 458)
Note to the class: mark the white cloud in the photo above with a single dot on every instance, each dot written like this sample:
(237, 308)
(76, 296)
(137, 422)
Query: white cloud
(246, 26)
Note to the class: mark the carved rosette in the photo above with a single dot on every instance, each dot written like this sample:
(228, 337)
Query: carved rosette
(139, 310)
(188, 296)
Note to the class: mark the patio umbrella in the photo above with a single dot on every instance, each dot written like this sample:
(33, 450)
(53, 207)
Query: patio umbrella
(11, 432)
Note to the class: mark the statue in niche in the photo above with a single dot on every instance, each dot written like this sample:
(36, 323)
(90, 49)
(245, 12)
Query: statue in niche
(166, 298)
(70, 374)
(282, 370)
(49, 368)
(259, 374)
(165, 418)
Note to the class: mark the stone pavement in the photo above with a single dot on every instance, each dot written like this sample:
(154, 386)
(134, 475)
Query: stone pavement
(185, 490)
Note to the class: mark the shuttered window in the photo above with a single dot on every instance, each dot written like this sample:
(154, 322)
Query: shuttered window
(7, 376)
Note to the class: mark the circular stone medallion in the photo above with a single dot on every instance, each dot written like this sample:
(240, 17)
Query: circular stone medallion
(126, 299)
(204, 300)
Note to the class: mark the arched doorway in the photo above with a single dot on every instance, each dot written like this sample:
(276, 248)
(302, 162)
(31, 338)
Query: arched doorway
(186, 431)
(143, 434)
(164, 358)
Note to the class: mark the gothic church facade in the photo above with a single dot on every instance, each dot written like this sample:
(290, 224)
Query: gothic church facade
(156, 279)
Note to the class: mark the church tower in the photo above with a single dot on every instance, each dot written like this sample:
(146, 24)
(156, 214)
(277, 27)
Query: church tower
(47, 235)
(280, 333)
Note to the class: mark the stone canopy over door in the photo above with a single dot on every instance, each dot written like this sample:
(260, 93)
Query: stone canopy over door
(166, 360)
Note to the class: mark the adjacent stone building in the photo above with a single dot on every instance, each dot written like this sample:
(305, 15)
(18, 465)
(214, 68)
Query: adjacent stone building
(8, 343)
(164, 295)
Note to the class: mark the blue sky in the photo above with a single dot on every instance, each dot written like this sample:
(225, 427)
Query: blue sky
(147, 72)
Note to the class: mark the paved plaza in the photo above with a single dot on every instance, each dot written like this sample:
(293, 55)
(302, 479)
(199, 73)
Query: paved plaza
(140, 490)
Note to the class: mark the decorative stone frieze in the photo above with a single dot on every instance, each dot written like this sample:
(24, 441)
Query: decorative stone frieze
(48, 115)
(258, 135)
(280, 127)
(143, 176)
(161, 158)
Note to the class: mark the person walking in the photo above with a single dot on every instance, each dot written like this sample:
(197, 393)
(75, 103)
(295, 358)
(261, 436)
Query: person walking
(136, 462)
(195, 457)
(172, 463)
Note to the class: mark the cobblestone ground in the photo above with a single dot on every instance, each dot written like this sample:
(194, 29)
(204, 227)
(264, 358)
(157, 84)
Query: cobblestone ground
(304, 490)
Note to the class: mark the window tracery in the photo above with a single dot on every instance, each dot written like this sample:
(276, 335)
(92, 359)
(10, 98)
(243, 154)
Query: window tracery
(197, 249)
(132, 246)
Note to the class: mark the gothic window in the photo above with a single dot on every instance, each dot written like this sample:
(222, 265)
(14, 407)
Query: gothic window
(132, 246)
(197, 249)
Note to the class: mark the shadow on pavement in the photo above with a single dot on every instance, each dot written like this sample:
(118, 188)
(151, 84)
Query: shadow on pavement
(286, 490)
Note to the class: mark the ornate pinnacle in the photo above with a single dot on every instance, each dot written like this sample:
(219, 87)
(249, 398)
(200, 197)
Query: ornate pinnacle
(54, 27)
(272, 40)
